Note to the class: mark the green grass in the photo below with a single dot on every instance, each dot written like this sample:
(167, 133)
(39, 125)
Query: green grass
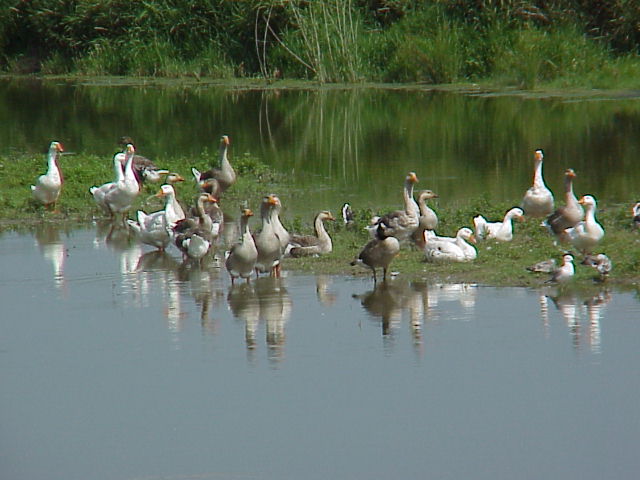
(500, 264)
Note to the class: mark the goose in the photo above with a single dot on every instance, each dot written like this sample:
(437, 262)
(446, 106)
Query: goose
(172, 179)
(318, 244)
(451, 249)
(267, 241)
(538, 200)
(225, 175)
(155, 229)
(565, 272)
(117, 197)
(428, 219)
(378, 252)
(241, 259)
(601, 263)
(214, 217)
(568, 215)
(143, 168)
(100, 193)
(48, 186)
(193, 234)
(500, 231)
(587, 233)
(402, 223)
(635, 211)
(544, 266)
(283, 234)
(347, 214)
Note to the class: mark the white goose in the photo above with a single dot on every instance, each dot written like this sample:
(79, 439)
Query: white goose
(48, 186)
(587, 233)
(451, 249)
(501, 231)
(155, 229)
(119, 197)
(100, 193)
(538, 200)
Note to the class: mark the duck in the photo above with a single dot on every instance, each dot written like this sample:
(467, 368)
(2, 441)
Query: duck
(587, 233)
(318, 244)
(428, 219)
(47, 187)
(565, 272)
(601, 263)
(543, 266)
(635, 211)
(379, 252)
(143, 168)
(240, 261)
(402, 223)
(500, 231)
(155, 229)
(451, 249)
(568, 215)
(538, 200)
(192, 235)
(225, 175)
(267, 241)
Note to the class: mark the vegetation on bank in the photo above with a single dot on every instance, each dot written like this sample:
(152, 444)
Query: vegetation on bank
(497, 263)
(526, 44)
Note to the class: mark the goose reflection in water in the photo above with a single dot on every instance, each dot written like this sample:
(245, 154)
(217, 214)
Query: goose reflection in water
(47, 237)
(266, 300)
(202, 287)
(325, 295)
(577, 309)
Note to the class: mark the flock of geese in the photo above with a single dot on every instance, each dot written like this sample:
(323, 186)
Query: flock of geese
(195, 230)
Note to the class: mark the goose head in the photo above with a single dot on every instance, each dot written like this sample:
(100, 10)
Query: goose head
(515, 213)
(588, 201)
(467, 234)
(427, 194)
(538, 155)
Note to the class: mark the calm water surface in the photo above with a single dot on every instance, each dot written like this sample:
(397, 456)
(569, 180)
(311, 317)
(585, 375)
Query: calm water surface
(117, 363)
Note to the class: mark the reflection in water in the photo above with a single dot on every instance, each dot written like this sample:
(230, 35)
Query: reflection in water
(575, 310)
(325, 295)
(47, 238)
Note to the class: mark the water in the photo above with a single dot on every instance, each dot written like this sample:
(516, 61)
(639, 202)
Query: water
(116, 363)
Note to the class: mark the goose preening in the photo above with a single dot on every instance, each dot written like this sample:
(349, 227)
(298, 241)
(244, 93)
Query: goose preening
(587, 233)
(241, 259)
(193, 234)
(378, 252)
(568, 215)
(601, 263)
(635, 211)
(224, 175)
(544, 266)
(564, 272)
(318, 244)
(117, 196)
(501, 231)
(428, 219)
(450, 249)
(401, 223)
(538, 200)
(48, 186)
(155, 228)
(267, 240)
(143, 168)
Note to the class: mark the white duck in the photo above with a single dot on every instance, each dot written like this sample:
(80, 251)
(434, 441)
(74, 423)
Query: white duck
(401, 223)
(48, 186)
(241, 259)
(155, 229)
(538, 200)
(587, 233)
(501, 231)
(451, 249)
(318, 244)
(565, 272)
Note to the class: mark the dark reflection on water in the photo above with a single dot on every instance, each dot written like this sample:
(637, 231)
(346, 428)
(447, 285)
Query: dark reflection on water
(118, 362)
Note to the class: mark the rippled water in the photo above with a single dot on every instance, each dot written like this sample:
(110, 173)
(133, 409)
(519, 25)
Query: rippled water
(119, 363)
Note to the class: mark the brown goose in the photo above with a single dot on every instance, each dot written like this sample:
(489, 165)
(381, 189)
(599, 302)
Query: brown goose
(402, 223)
(538, 200)
(318, 244)
(241, 259)
(225, 175)
(267, 241)
(48, 186)
(568, 215)
(379, 252)
(428, 219)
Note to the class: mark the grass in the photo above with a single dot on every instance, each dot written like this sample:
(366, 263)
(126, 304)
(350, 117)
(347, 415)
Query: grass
(498, 264)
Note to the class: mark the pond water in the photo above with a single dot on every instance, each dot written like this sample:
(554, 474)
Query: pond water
(118, 363)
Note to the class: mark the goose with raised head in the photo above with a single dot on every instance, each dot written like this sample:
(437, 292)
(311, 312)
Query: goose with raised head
(283, 235)
(47, 187)
(451, 249)
(117, 197)
(224, 175)
(500, 231)
(241, 259)
(565, 272)
(428, 219)
(568, 215)
(588, 233)
(318, 244)
(378, 252)
(143, 168)
(401, 223)
(267, 241)
(538, 200)
(193, 234)
(156, 228)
